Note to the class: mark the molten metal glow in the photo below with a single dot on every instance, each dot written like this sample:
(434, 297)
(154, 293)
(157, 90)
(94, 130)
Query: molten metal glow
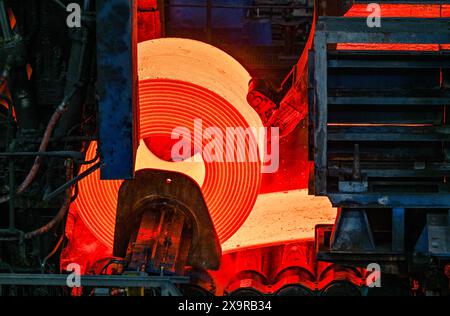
(182, 80)
(400, 11)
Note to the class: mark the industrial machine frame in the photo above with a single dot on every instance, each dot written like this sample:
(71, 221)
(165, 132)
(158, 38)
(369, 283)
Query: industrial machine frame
(355, 190)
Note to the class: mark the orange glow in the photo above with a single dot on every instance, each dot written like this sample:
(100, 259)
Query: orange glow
(12, 19)
(400, 11)
(182, 80)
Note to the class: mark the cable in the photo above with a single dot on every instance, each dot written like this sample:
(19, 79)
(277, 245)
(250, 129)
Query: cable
(49, 129)
(58, 244)
(72, 182)
(43, 146)
(3, 76)
(62, 211)
(6, 99)
(60, 4)
(116, 261)
(75, 194)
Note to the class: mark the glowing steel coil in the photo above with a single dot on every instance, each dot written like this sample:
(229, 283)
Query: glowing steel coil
(180, 81)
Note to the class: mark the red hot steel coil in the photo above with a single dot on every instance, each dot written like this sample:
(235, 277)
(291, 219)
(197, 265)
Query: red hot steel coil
(181, 81)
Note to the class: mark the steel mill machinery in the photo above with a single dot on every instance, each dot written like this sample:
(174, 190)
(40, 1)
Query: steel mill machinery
(93, 202)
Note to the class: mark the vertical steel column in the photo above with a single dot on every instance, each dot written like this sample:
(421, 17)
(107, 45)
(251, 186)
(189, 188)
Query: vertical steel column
(321, 111)
(117, 86)
(398, 229)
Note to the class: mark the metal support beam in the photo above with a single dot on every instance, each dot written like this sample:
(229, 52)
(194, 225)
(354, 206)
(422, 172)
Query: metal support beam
(321, 113)
(352, 232)
(398, 229)
(117, 86)
(380, 200)
(392, 30)
(166, 284)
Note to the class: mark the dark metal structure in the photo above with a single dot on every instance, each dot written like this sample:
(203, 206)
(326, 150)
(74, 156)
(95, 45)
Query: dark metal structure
(263, 35)
(163, 223)
(379, 141)
(117, 87)
(45, 84)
